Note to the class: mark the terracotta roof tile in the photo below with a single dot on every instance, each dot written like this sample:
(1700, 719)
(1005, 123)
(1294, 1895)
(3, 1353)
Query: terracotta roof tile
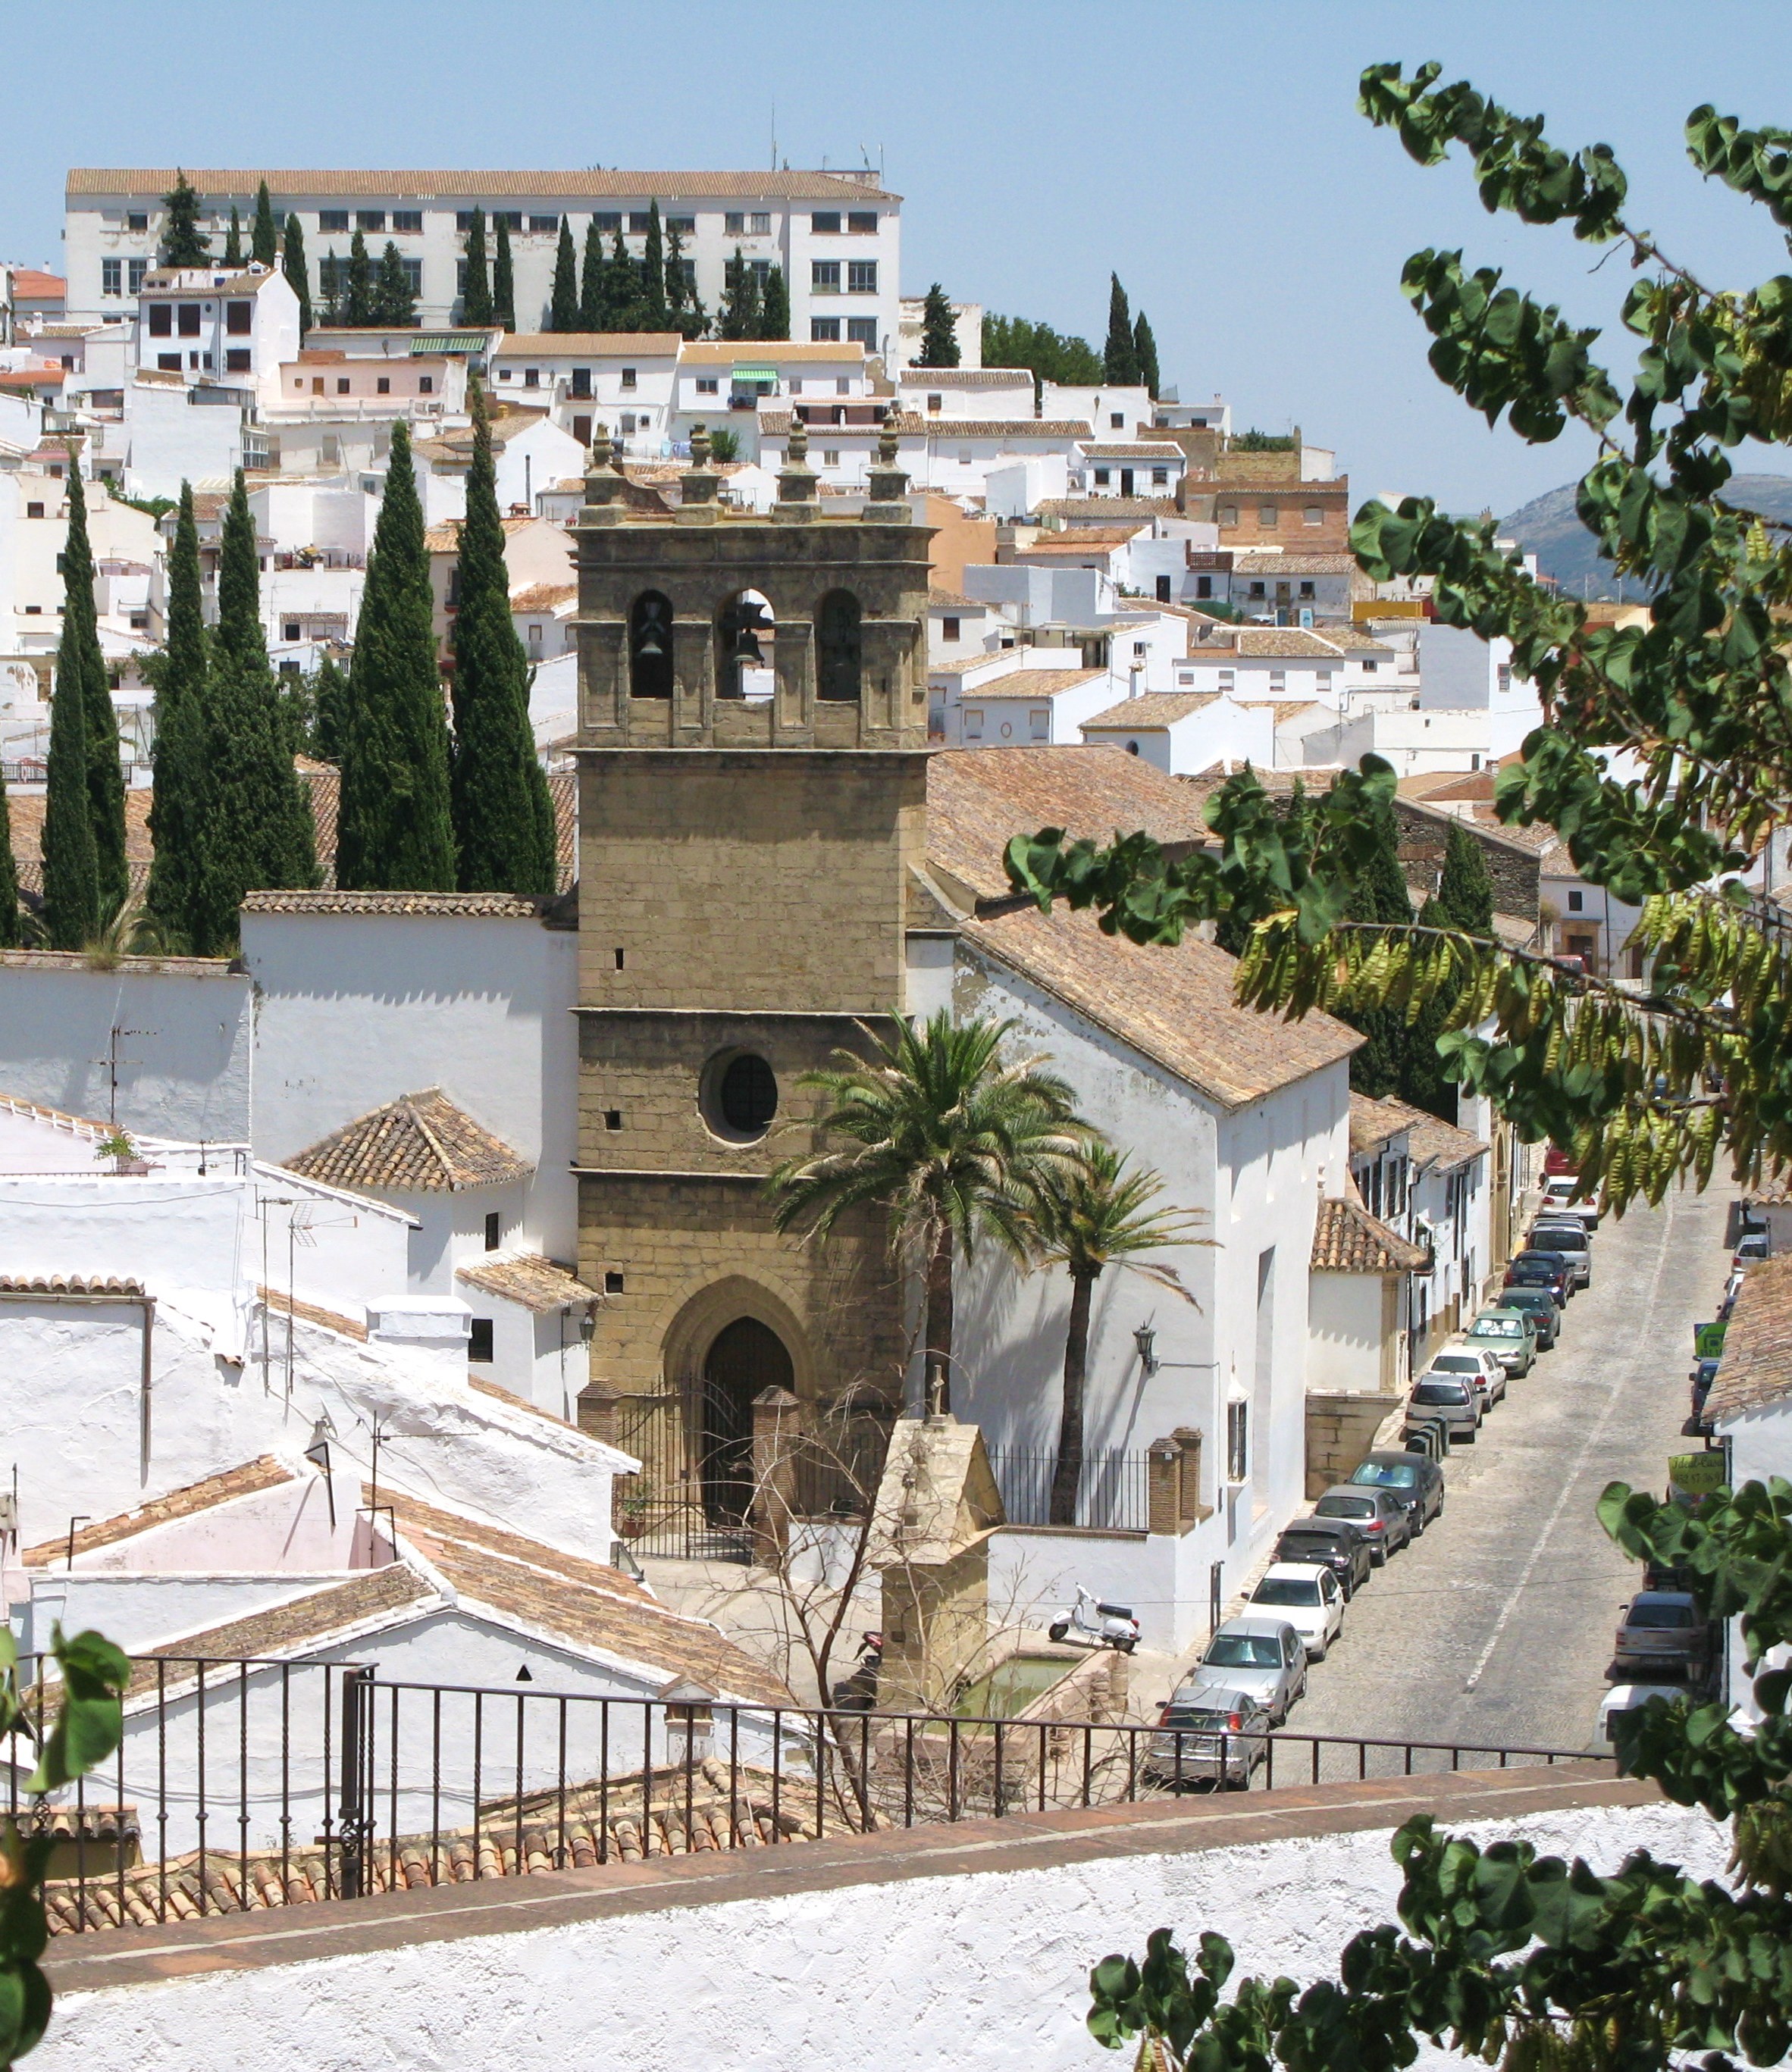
(1033, 683)
(1756, 1368)
(950, 600)
(263, 1473)
(1081, 540)
(594, 344)
(945, 428)
(290, 1629)
(1173, 1005)
(1294, 564)
(1432, 1141)
(539, 1283)
(421, 1143)
(1348, 1240)
(1291, 641)
(543, 596)
(87, 1285)
(474, 906)
(291, 184)
(1161, 450)
(1153, 709)
(965, 377)
(1106, 507)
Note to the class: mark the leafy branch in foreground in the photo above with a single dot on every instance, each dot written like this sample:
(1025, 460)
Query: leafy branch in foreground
(89, 1727)
(1664, 760)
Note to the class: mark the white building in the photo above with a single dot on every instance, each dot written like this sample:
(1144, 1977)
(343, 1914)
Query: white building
(530, 453)
(235, 326)
(948, 392)
(1027, 696)
(621, 382)
(837, 236)
(1186, 732)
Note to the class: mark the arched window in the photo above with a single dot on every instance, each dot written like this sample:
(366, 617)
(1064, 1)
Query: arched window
(650, 646)
(745, 632)
(839, 655)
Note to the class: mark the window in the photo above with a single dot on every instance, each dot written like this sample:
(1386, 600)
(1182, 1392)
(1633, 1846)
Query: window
(239, 318)
(1505, 677)
(543, 226)
(1312, 515)
(460, 277)
(830, 457)
(512, 219)
(948, 627)
(334, 219)
(1307, 589)
(862, 331)
(1322, 682)
(838, 650)
(684, 225)
(425, 385)
(1039, 722)
(532, 377)
(709, 384)
(862, 222)
(1139, 650)
(413, 275)
(291, 631)
(370, 218)
(824, 330)
(168, 362)
(1204, 586)
(494, 1230)
(111, 276)
(34, 510)
(628, 377)
(1575, 900)
(1227, 679)
(1229, 514)
(342, 384)
(479, 1340)
(1256, 589)
(1237, 1442)
(237, 360)
(137, 221)
(383, 385)
(761, 226)
(161, 319)
(861, 276)
(612, 1281)
(133, 277)
(608, 221)
(824, 276)
(637, 222)
(733, 224)
(1162, 590)
(1117, 420)
(974, 724)
(582, 430)
(1160, 478)
(797, 389)
(826, 222)
(1103, 477)
(504, 374)
(189, 319)
(742, 1095)
(462, 220)
(1278, 680)
(407, 222)
(1268, 516)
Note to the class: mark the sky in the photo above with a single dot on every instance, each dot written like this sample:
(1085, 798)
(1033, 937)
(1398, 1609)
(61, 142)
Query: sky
(1209, 154)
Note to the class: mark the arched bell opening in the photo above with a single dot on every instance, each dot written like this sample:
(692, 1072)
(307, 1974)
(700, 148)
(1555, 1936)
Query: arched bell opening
(746, 636)
(839, 649)
(650, 646)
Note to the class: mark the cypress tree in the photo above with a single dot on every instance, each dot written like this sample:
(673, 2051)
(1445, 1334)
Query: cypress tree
(504, 280)
(1144, 347)
(741, 313)
(183, 243)
(359, 303)
(178, 818)
(71, 863)
(685, 314)
(503, 816)
(654, 313)
(263, 238)
(233, 240)
(1120, 355)
(329, 712)
(79, 658)
(8, 877)
(1381, 895)
(1465, 889)
(475, 297)
(591, 290)
(563, 309)
(297, 273)
(395, 830)
(774, 319)
(393, 302)
(622, 285)
(939, 335)
(329, 281)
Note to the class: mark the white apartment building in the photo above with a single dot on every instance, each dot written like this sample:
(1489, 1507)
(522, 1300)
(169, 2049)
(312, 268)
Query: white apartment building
(208, 324)
(621, 381)
(740, 382)
(1121, 412)
(966, 392)
(837, 236)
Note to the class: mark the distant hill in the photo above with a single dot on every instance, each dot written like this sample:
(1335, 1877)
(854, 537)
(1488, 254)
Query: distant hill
(1547, 527)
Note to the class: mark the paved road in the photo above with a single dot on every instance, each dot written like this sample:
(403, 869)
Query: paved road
(1497, 1626)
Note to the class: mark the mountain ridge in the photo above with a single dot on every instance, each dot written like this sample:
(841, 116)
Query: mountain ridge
(1547, 527)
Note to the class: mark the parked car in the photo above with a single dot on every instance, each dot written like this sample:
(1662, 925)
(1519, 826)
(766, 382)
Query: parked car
(1559, 1199)
(1704, 1374)
(1333, 1541)
(1261, 1655)
(1732, 1289)
(1540, 1306)
(1663, 1631)
(1452, 1399)
(1531, 1268)
(1308, 1595)
(1558, 1165)
(1568, 1236)
(1751, 1248)
(1208, 1734)
(1418, 1483)
(1510, 1335)
(1379, 1512)
(1479, 1365)
(1622, 1698)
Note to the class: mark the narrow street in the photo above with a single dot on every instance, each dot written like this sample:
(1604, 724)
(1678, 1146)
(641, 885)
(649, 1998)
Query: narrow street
(1496, 1627)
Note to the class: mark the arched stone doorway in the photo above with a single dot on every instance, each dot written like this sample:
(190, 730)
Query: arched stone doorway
(744, 1358)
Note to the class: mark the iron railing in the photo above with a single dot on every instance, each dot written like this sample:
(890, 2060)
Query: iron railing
(242, 1785)
(1113, 1492)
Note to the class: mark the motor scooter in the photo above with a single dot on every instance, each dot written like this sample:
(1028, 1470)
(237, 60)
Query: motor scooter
(1089, 1623)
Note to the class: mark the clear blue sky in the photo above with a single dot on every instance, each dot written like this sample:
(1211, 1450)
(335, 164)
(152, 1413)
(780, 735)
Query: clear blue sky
(1209, 153)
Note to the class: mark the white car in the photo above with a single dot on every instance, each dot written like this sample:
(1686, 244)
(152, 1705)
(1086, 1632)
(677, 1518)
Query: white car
(1474, 1363)
(1559, 1200)
(1632, 1698)
(1309, 1597)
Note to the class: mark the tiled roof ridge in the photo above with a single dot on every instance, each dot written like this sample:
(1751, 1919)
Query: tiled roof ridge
(334, 1608)
(247, 1479)
(1348, 1240)
(127, 1288)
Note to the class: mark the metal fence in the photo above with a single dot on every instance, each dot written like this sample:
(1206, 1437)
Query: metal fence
(1112, 1494)
(242, 1785)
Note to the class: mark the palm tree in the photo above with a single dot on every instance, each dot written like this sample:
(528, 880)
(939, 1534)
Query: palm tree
(1089, 1215)
(945, 1134)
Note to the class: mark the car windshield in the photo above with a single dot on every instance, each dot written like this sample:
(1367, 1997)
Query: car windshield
(1658, 1616)
(1440, 1392)
(1339, 1504)
(1562, 1238)
(1285, 1590)
(1496, 1327)
(1244, 1651)
(1386, 1474)
(1457, 1363)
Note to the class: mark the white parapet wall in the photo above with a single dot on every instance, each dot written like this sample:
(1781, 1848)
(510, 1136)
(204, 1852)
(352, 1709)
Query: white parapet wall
(944, 1947)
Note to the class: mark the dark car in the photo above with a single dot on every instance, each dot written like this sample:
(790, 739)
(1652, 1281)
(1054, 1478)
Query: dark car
(1663, 1632)
(1542, 1270)
(1540, 1306)
(1702, 1377)
(1569, 1238)
(1378, 1513)
(1419, 1483)
(1332, 1543)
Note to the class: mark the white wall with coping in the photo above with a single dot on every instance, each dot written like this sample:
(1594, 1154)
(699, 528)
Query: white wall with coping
(874, 1977)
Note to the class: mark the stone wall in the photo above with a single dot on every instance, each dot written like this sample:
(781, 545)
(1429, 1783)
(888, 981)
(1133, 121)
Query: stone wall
(1340, 1430)
(1424, 832)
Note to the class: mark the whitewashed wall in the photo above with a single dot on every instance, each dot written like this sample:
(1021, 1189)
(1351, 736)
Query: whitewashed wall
(184, 1049)
(990, 1967)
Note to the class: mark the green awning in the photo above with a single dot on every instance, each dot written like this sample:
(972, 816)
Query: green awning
(448, 341)
(755, 374)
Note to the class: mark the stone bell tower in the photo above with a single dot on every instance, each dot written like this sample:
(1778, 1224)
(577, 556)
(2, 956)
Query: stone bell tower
(753, 794)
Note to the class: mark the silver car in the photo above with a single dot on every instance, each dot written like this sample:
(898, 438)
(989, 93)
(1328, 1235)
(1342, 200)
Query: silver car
(1263, 1658)
(1452, 1400)
(1208, 1734)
